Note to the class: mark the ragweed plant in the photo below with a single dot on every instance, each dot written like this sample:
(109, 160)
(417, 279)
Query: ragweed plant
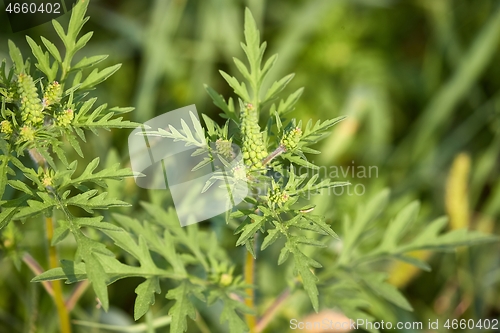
(273, 148)
(42, 108)
(259, 146)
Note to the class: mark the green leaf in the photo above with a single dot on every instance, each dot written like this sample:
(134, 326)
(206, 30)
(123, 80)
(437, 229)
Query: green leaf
(386, 290)
(364, 216)
(146, 296)
(221, 103)
(299, 161)
(99, 178)
(320, 222)
(182, 308)
(60, 32)
(272, 236)
(88, 62)
(19, 185)
(250, 229)
(314, 133)
(302, 263)
(396, 228)
(6, 216)
(96, 77)
(16, 56)
(36, 207)
(287, 105)
(52, 49)
(229, 315)
(277, 87)
(42, 58)
(77, 20)
(83, 41)
(415, 262)
(89, 201)
(4, 167)
(239, 88)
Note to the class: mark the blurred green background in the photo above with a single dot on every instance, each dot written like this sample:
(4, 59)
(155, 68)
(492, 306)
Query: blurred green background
(418, 79)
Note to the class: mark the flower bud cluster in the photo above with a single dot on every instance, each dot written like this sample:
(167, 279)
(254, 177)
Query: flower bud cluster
(52, 94)
(291, 138)
(65, 118)
(277, 196)
(6, 127)
(254, 150)
(27, 133)
(30, 104)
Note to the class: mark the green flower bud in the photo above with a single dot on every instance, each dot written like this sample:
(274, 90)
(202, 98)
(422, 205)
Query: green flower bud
(52, 94)
(65, 118)
(277, 196)
(226, 279)
(291, 138)
(253, 141)
(27, 134)
(6, 127)
(11, 94)
(47, 180)
(30, 105)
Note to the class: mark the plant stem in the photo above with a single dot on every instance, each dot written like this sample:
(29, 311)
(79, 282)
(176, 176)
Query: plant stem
(202, 325)
(271, 311)
(35, 267)
(150, 322)
(249, 280)
(62, 311)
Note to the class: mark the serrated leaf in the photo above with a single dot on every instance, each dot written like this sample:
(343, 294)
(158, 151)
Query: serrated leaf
(89, 201)
(35, 208)
(302, 263)
(83, 40)
(239, 88)
(146, 296)
(182, 308)
(219, 101)
(6, 216)
(272, 236)
(396, 228)
(52, 49)
(250, 229)
(99, 178)
(415, 262)
(89, 62)
(16, 56)
(287, 105)
(364, 216)
(386, 290)
(96, 76)
(278, 87)
(314, 133)
(4, 166)
(42, 58)
(229, 315)
(97, 276)
(284, 253)
(319, 221)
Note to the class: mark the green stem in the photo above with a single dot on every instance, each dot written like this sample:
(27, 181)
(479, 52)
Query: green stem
(249, 271)
(150, 322)
(62, 311)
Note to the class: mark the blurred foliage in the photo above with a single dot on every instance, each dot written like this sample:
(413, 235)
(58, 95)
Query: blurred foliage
(419, 81)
